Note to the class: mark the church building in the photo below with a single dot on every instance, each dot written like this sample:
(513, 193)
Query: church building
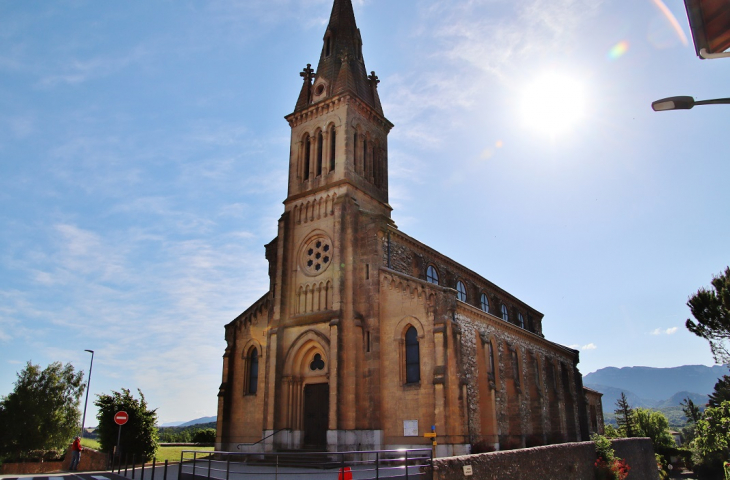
(367, 338)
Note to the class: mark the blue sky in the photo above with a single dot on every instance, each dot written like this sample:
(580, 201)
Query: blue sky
(143, 157)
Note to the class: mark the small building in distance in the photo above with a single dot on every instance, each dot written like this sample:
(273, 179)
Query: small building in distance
(368, 338)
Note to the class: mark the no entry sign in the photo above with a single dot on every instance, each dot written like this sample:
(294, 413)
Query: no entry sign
(120, 418)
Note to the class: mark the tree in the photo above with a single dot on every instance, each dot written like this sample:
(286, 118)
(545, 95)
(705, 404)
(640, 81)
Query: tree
(655, 426)
(713, 430)
(609, 431)
(721, 392)
(205, 435)
(693, 414)
(625, 416)
(711, 309)
(42, 411)
(691, 411)
(139, 434)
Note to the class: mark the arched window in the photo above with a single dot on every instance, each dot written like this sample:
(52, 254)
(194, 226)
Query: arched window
(253, 372)
(333, 144)
(320, 146)
(327, 46)
(505, 314)
(432, 275)
(365, 166)
(461, 291)
(521, 320)
(413, 362)
(485, 302)
(307, 156)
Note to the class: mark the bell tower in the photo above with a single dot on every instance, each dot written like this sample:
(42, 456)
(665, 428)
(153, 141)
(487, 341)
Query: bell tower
(322, 291)
(339, 132)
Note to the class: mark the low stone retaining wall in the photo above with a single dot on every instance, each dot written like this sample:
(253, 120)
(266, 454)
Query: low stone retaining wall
(566, 461)
(91, 460)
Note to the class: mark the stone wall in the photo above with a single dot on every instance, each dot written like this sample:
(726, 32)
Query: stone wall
(567, 461)
(91, 460)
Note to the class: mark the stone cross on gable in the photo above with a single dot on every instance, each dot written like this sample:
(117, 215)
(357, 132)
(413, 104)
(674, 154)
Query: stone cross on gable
(307, 73)
(374, 80)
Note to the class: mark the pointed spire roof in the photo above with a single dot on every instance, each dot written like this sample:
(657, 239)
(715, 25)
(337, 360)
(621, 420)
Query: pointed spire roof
(341, 65)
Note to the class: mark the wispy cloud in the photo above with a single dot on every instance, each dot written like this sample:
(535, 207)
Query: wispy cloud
(482, 47)
(590, 346)
(76, 71)
(663, 331)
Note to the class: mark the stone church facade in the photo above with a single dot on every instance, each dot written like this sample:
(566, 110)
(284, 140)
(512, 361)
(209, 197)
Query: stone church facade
(367, 337)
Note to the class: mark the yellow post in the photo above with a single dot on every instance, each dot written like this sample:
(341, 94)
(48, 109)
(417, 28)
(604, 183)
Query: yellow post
(432, 436)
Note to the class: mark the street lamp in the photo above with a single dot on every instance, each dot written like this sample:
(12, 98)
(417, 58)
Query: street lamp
(88, 383)
(684, 103)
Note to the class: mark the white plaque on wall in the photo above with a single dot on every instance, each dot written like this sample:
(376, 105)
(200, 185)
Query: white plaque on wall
(410, 428)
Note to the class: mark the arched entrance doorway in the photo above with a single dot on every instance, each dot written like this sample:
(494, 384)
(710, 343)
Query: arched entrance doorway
(307, 375)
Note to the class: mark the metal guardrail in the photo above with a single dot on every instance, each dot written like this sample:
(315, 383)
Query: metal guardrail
(357, 465)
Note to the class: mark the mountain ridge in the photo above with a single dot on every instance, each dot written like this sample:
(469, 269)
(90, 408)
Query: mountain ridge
(658, 384)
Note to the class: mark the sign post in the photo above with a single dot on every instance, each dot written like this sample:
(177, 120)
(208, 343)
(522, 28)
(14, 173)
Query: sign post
(432, 436)
(120, 418)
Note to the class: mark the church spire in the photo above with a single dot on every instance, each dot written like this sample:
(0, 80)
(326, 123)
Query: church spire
(341, 66)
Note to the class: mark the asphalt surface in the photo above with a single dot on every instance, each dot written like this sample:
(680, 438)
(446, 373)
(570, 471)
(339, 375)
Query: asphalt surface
(67, 476)
(237, 472)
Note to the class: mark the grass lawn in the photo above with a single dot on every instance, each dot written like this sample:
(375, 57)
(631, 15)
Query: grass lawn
(90, 443)
(173, 453)
(163, 453)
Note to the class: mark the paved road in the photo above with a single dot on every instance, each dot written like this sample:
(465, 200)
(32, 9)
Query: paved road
(67, 476)
(237, 472)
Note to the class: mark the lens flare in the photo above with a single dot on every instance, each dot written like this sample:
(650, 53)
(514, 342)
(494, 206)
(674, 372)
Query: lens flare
(672, 20)
(618, 50)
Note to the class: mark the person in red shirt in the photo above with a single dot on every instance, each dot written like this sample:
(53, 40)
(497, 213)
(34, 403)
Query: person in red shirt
(76, 449)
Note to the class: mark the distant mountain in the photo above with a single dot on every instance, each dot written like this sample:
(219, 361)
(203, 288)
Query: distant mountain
(171, 424)
(611, 394)
(198, 421)
(657, 384)
(660, 389)
(676, 399)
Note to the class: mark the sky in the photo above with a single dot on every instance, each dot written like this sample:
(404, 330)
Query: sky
(143, 159)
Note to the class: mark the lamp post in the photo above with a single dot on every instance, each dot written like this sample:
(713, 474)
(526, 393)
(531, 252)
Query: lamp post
(684, 103)
(88, 383)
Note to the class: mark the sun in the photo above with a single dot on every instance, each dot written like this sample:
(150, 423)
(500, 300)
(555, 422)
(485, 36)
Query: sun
(553, 104)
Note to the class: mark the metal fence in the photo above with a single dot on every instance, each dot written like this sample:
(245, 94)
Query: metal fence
(361, 465)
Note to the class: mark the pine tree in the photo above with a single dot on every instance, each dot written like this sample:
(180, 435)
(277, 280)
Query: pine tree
(711, 309)
(693, 414)
(625, 416)
(691, 411)
(721, 393)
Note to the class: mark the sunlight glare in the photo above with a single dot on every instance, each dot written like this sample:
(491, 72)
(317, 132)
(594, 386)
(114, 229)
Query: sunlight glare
(553, 104)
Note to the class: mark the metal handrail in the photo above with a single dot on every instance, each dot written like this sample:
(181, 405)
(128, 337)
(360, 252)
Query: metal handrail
(238, 447)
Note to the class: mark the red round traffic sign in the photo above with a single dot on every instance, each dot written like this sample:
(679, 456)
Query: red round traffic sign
(120, 418)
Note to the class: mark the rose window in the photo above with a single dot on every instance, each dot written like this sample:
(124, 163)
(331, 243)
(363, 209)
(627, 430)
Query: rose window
(317, 256)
